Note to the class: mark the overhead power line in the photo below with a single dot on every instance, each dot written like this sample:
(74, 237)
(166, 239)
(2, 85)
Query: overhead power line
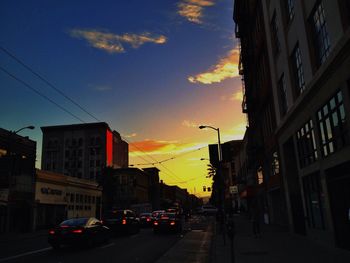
(40, 94)
(47, 82)
(65, 96)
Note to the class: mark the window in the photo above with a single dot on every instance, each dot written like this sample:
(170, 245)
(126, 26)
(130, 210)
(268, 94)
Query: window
(282, 89)
(314, 201)
(290, 10)
(307, 150)
(260, 175)
(275, 164)
(331, 120)
(274, 35)
(297, 67)
(321, 38)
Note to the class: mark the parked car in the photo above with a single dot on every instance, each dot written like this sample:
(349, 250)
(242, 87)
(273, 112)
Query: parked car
(167, 222)
(208, 210)
(78, 231)
(122, 221)
(146, 220)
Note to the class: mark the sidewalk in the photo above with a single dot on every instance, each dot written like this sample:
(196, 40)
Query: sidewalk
(275, 245)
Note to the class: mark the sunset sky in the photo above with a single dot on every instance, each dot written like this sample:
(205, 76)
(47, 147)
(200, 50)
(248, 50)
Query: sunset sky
(153, 70)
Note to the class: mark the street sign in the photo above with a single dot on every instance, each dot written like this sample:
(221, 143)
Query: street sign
(233, 189)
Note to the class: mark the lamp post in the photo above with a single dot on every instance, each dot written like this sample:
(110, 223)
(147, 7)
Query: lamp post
(12, 171)
(220, 180)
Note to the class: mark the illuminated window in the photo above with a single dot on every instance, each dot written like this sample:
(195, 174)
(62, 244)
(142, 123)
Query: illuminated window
(331, 120)
(306, 144)
(260, 175)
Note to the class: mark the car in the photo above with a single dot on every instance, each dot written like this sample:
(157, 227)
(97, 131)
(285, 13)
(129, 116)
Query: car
(78, 231)
(167, 222)
(156, 213)
(146, 219)
(122, 221)
(208, 210)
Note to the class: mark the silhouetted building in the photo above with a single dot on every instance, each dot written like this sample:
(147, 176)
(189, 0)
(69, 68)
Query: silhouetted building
(306, 49)
(17, 170)
(154, 187)
(82, 150)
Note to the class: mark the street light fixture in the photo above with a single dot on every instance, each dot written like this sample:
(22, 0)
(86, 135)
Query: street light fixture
(218, 131)
(31, 127)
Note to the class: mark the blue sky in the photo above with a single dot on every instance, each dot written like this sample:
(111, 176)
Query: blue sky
(153, 70)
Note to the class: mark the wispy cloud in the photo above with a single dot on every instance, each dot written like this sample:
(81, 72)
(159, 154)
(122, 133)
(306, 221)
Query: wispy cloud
(193, 10)
(113, 43)
(190, 124)
(226, 67)
(132, 135)
(237, 96)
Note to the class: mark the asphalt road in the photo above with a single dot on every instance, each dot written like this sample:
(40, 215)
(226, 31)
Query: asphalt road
(143, 247)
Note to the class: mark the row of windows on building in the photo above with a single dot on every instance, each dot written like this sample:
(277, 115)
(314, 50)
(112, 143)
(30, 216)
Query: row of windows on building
(332, 131)
(75, 142)
(317, 23)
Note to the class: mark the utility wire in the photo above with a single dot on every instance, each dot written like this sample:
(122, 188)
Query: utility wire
(65, 96)
(47, 82)
(40, 94)
(172, 158)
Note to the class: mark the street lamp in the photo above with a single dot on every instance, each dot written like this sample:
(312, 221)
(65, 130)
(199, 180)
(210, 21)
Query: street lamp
(221, 181)
(218, 131)
(31, 127)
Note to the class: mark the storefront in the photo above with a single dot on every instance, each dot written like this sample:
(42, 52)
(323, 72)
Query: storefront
(59, 197)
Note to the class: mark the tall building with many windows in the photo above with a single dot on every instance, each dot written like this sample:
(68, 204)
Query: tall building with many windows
(82, 150)
(308, 44)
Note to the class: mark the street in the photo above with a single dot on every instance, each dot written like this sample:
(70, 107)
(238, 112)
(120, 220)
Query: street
(142, 247)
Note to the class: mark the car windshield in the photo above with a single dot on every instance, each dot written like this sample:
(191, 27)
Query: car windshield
(75, 222)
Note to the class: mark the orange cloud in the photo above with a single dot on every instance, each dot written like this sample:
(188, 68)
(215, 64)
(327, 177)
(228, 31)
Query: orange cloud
(227, 67)
(113, 43)
(192, 10)
(161, 147)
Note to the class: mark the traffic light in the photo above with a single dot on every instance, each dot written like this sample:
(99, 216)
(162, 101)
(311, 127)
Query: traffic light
(204, 188)
(209, 189)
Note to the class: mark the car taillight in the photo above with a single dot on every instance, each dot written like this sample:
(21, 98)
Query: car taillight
(124, 221)
(155, 223)
(77, 231)
(52, 232)
(172, 223)
(148, 219)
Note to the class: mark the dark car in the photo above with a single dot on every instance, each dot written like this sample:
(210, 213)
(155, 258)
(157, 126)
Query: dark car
(156, 213)
(78, 231)
(122, 222)
(146, 220)
(167, 222)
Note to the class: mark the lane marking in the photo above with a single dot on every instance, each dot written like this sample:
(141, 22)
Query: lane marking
(25, 254)
(108, 245)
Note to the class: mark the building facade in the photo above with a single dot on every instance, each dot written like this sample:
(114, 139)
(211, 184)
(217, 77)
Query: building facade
(17, 170)
(82, 150)
(308, 47)
(59, 197)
